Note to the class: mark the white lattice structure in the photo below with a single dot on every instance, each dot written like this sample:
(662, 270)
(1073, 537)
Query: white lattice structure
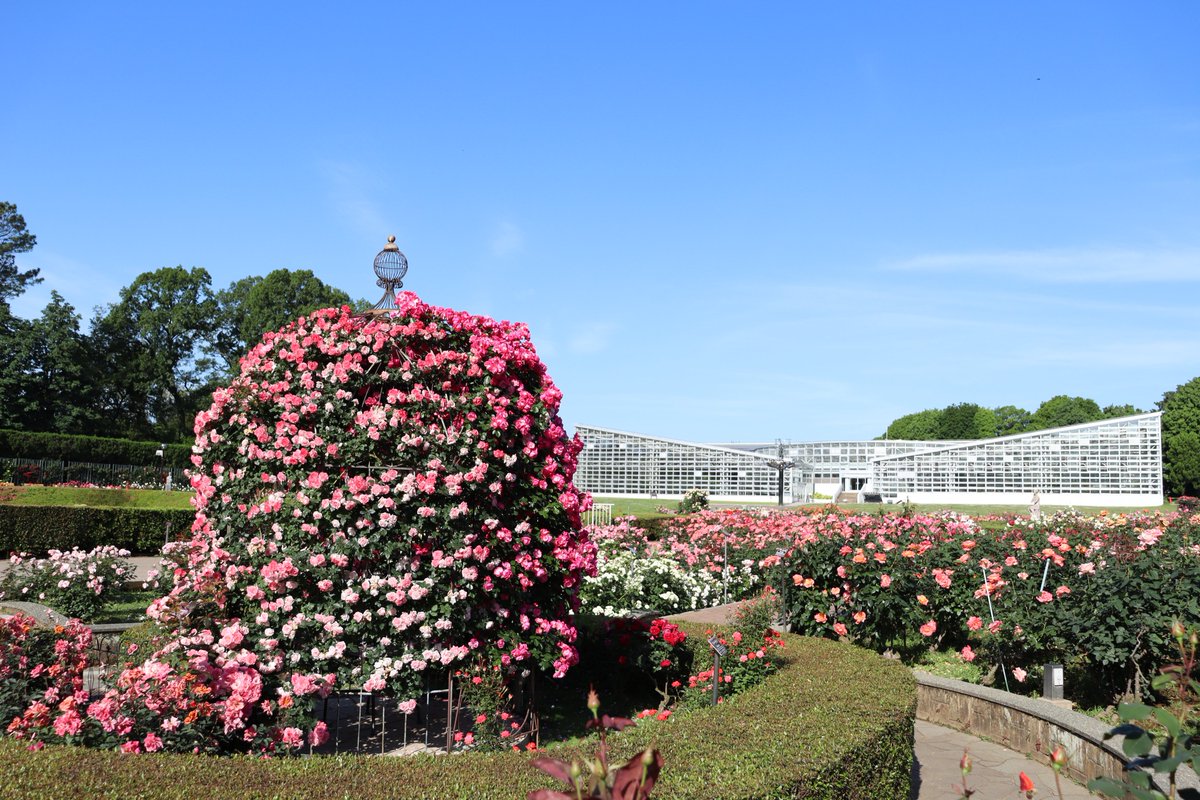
(1108, 462)
(619, 464)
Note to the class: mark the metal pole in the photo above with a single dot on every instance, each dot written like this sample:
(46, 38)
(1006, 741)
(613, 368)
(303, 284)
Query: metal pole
(716, 676)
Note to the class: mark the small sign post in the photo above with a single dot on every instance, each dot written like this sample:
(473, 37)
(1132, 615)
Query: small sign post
(1052, 682)
(719, 650)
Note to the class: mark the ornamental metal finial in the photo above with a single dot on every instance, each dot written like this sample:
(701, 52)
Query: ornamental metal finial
(390, 268)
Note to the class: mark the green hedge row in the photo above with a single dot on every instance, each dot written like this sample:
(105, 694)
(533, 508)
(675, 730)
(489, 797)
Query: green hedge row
(94, 449)
(36, 529)
(835, 722)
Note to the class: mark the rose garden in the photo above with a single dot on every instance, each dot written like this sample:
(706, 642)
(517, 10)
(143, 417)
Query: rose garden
(384, 506)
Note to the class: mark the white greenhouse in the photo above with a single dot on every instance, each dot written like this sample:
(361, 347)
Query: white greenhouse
(1108, 462)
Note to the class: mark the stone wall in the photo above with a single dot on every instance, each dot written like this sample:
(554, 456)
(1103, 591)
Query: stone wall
(1027, 726)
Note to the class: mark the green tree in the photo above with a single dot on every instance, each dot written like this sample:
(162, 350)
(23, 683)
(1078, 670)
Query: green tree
(156, 342)
(14, 238)
(253, 306)
(920, 426)
(60, 382)
(1062, 410)
(966, 421)
(16, 404)
(1011, 420)
(1126, 410)
(1181, 438)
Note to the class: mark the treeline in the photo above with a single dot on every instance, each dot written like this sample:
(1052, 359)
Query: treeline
(971, 421)
(147, 363)
(1180, 409)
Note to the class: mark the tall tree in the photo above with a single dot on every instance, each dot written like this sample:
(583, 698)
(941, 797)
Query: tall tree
(16, 356)
(14, 239)
(1011, 420)
(965, 421)
(158, 338)
(1181, 438)
(1125, 410)
(61, 379)
(1063, 410)
(253, 306)
(922, 425)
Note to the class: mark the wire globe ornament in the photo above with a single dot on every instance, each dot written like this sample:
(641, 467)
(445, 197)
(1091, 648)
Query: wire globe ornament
(390, 268)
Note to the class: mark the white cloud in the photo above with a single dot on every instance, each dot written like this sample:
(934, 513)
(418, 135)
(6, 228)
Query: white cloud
(1065, 265)
(506, 240)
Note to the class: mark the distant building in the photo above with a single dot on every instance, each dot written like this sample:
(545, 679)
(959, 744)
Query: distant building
(1108, 462)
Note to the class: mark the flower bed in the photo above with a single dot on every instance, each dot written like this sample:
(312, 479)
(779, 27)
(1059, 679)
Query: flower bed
(1094, 593)
(835, 722)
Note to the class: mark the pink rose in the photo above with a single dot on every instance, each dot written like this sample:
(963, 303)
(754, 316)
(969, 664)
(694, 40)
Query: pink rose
(929, 628)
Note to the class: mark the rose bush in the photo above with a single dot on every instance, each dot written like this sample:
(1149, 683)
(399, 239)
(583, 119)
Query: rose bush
(76, 583)
(376, 498)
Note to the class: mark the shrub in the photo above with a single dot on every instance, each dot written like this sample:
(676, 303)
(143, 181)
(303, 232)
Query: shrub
(835, 722)
(94, 449)
(76, 583)
(39, 529)
(627, 580)
(693, 500)
(377, 498)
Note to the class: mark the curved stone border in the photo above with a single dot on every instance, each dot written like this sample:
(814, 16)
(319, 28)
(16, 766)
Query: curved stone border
(1029, 726)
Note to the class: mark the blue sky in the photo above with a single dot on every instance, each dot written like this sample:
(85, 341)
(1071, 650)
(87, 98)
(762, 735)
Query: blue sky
(721, 221)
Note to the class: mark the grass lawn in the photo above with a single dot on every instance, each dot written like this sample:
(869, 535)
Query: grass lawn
(100, 498)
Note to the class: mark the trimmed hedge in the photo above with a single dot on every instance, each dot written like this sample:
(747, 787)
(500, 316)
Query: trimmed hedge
(835, 722)
(92, 449)
(142, 531)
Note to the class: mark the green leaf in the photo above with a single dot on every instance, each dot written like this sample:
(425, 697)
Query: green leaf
(1137, 745)
(1134, 711)
(1168, 721)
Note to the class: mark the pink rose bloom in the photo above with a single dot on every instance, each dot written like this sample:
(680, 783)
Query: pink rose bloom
(1062, 590)
(302, 684)
(68, 724)
(292, 737)
(1087, 569)
(974, 623)
(1045, 597)
(1019, 674)
(408, 706)
(319, 735)
(839, 629)
(885, 580)
(929, 628)
(967, 653)
(994, 626)
(152, 743)
(133, 746)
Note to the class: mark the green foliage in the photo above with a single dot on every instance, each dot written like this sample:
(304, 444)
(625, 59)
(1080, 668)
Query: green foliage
(91, 449)
(693, 500)
(966, 421)
(919, 426)
(1124, 410)
(835, 722)
(14, 239)
(253, 306)
(1181, 438)
(1063, 410)
(155, 343)
(1011, 420)
(38, 529)
(1157, 739)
